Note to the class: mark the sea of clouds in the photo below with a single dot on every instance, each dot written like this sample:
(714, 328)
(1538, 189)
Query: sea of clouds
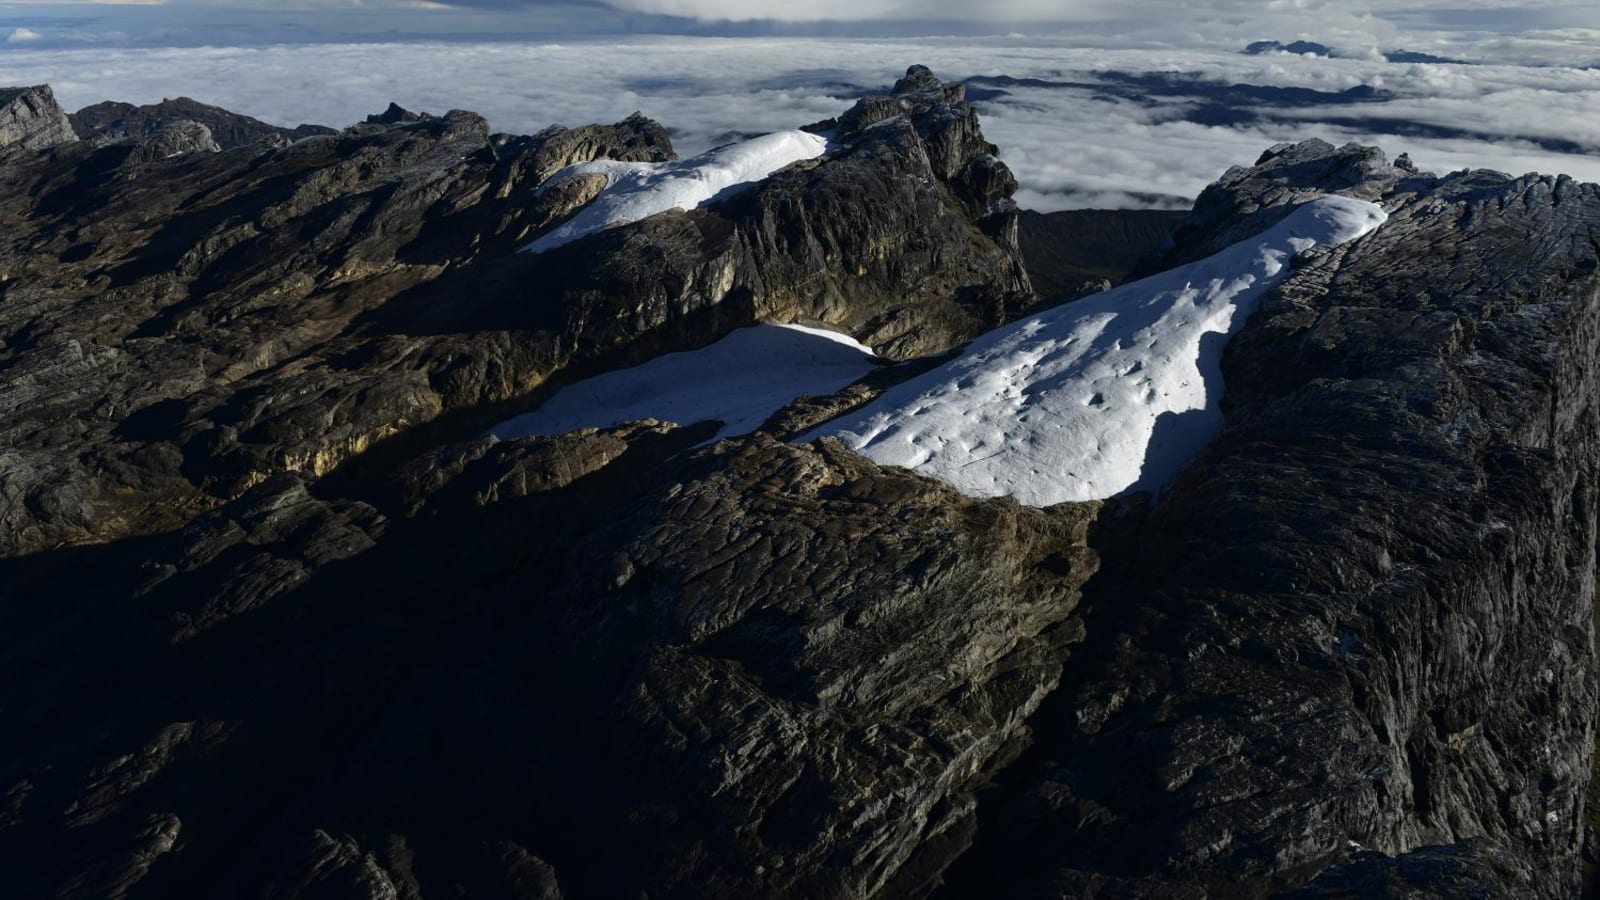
(1075, 132)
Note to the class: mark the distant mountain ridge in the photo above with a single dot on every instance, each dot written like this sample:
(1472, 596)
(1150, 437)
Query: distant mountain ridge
(1299, 48)
(1312, 48)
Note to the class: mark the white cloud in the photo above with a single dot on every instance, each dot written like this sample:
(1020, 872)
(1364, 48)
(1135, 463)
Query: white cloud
(1069, 147)
(1089, 10)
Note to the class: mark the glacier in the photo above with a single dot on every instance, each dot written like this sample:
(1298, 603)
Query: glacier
(638, 190)
(739, 381)
(1108, 395)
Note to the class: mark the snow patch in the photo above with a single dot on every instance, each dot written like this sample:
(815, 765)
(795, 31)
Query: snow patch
(1111, 394)
(637, 190)
(740, 381)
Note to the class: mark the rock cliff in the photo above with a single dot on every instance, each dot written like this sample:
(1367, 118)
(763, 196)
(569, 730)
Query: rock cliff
(281, 623)
(30, 119)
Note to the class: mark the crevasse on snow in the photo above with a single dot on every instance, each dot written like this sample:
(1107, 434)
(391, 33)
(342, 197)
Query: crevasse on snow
(740, 381)
(1111, 394)
(636, 190)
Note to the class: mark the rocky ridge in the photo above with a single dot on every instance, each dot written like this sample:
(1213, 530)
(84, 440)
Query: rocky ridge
(113, 123)
(317, 638)
(250, 312)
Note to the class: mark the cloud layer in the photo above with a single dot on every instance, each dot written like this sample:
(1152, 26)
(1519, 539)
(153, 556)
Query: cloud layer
(1081, 126)
(1489, 30)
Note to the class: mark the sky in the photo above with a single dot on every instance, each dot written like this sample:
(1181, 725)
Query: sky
(1353, 24)
(1132, 104)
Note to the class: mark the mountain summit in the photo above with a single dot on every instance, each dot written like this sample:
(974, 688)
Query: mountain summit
(349, 550)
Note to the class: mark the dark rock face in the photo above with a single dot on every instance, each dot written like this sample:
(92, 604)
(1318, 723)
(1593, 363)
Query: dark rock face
(621, 705)
(825, 725)
(1473, 868)
(395, 115)
(1337, 629)
(112, 123)
(30, 119)
(1074, 252)
(279, 623)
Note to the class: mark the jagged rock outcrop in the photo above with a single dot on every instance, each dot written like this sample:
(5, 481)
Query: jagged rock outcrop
(30, 119)
(1337, 631)
(198, 327)
(114, 123)
(635, 138)
(1247, 200)
(173, 140)
(396, 115)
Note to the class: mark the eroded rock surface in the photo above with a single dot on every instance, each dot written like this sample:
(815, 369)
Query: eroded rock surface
(193, 324)
(172, 140)
(592, 661)
(30, 119)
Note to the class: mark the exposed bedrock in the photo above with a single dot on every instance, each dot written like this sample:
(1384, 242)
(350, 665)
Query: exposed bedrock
(594, 661)
(194, 323)
(172, 140)
(31, 119)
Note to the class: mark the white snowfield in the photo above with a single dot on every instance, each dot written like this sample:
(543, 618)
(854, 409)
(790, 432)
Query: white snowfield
(639, 190)
(1111, 394)
(740, 381)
